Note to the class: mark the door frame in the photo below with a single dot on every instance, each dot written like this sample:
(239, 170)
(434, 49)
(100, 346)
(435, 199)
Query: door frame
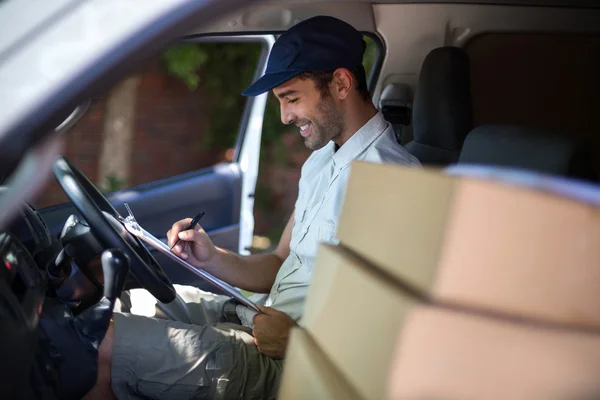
(247, 146)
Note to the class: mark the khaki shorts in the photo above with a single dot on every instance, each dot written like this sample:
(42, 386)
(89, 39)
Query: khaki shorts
(206, 359)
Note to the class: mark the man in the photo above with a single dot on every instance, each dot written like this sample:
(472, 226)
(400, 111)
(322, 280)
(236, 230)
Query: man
(225, 350)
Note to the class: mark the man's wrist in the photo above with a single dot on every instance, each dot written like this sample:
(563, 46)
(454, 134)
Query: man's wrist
(216, 261)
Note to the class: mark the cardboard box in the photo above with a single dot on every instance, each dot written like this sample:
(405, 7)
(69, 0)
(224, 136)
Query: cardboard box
(355, 315)
(308, 374)
(477, 243)
(449, 355)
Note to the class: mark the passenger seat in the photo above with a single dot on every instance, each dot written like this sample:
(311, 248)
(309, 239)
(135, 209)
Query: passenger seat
(530, 149)
(442, 109)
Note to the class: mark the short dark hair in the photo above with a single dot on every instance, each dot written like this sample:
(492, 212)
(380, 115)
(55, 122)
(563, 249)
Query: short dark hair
(322, 79)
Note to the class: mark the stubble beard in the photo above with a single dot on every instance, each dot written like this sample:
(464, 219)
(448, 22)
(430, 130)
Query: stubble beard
(329, 125)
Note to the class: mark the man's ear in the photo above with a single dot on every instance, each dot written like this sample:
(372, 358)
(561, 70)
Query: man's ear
(342, 83)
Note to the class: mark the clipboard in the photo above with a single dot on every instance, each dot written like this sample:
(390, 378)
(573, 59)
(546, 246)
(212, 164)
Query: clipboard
(136, 230)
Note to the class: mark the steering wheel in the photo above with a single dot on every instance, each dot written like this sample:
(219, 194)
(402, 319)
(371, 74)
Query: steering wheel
(104, 223)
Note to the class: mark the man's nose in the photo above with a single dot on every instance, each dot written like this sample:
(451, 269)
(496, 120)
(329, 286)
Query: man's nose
(287, 117)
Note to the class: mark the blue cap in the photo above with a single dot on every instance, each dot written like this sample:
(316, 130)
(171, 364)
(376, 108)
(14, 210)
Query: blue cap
(317, 44)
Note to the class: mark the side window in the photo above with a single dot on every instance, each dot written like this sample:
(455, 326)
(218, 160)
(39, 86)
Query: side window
(180, 112)
(372, 56)
(282, 155)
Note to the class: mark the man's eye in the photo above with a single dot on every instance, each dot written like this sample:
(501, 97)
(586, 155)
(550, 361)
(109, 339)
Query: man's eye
(292, 101)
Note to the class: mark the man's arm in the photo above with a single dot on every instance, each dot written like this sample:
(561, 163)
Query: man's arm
(255, 273)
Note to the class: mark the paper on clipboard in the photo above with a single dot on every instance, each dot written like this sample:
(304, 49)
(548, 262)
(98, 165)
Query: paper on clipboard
(135, 229)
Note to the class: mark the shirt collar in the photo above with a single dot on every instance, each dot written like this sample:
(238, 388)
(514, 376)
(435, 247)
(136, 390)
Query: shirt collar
(359, 141)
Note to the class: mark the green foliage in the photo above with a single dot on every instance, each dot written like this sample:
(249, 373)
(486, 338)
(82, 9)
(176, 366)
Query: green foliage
(183, 62)
(222, 71)
(227, 72)
(370, 54)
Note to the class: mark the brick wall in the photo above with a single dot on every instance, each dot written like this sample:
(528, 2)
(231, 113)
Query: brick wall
(168, 132)
(170, 126)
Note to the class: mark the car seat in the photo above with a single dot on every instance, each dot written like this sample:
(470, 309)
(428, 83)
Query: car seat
(442, 109)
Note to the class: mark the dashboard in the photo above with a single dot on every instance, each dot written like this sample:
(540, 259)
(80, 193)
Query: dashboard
(43, 354)
(24, 248)
(22, 294)
(23, 286)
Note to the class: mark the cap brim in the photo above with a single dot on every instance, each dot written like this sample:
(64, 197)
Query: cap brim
(269, 81)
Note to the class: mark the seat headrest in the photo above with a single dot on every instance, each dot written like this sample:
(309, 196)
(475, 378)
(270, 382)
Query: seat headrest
(395, 104)
(442, 109)
(529, 148)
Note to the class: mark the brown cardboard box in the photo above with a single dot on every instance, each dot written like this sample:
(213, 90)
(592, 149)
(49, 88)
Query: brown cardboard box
(477, 243)
(355, 316)
(449, 355)
(308, 374)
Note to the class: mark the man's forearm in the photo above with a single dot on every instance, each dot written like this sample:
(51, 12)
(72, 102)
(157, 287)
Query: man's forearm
(255, 273)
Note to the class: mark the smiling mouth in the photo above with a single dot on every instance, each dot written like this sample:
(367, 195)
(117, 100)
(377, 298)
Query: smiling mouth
(305, 129)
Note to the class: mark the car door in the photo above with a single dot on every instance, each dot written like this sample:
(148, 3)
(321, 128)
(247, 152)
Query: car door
(164, 144)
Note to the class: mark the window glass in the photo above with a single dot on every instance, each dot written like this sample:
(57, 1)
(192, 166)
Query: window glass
(547, 81)
(179, 112)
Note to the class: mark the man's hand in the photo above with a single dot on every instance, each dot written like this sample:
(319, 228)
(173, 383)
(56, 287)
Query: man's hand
(195, 245)
(272, 331)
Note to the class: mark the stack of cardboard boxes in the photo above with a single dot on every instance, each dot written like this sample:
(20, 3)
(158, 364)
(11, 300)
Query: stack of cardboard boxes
(451, 287)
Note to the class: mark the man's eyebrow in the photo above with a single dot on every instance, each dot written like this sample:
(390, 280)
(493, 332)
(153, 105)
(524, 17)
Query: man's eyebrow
(286, 93)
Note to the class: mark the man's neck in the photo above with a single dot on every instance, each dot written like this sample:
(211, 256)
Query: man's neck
(356, 117)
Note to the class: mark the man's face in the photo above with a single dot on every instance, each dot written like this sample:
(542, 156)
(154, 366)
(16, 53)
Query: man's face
(319, 118)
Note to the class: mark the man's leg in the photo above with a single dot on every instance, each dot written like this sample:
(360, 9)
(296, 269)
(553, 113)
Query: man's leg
(164, 359)
(226, 363)
(192, 305)
(102, 389)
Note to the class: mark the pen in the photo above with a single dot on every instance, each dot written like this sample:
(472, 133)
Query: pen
(193, 223)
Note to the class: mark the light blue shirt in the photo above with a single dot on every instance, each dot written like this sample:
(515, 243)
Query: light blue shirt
(320, 196)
